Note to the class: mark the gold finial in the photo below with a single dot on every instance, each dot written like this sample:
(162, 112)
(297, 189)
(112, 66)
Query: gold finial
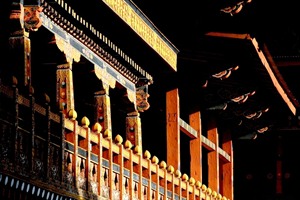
(107, 134)
(72, 114)
(177, 173)
(155, 160)
(97, 127)
(147, 155)
(224, 198)
(203, 188)
(163, 164)
(14, 81)
(192, 181)
(185, 177)
(47, 98)
(198, 184)
(208, 191)
(127, 144)
(219, 196)
(85, 122)
(31, 90)
(171, 169)
(214, 194)
(118, 139)
(137, 150)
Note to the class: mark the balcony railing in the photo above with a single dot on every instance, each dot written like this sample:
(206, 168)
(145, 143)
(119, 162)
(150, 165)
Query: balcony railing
(81, 161)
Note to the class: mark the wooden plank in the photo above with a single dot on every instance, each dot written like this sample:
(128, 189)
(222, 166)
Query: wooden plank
(173, 130)
(196, 147)
(213, 158)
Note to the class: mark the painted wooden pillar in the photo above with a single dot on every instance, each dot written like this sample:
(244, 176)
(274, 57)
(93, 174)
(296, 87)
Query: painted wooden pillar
(65, 91)
(22, 19)
(196, 147)
(103, 109)
(133, 129)
(133, 120)
(19, 46)
(173, 129)
(227, 168)
(213, 157)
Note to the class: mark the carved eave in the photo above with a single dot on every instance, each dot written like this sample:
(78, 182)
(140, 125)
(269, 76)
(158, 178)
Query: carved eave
(238, 83)
(94, 41)
(76, 37)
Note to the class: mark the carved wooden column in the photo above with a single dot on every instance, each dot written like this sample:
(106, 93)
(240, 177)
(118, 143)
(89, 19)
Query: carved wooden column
(23, 18)
(133, 120)
(65, 91)
(196, 147)
(173, 129)
(133, 129)
(103, 109)
(213, 157)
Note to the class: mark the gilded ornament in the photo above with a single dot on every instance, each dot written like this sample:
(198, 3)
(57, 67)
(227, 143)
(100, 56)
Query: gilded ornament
(198, 184)
(107, 134)
(163, 165)
(118, 139)
(127, 144)
(155, 160)
(97, 127)
(192, 181)
(85, 122)
(170, 169)
(137, 150)
(147, 155)
(185, 177)
(177, 173)
(203, 188)
(72, 114)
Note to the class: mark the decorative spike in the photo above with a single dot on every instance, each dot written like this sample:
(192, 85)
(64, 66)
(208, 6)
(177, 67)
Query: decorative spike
(31, 90)
(14, 81)
(85, 122)
(155, 160)
(127, 144)
(170, 169)
(97, 127)
(107, 134)
(177, 173)
(72, 114)
(118, 139)
(192, 181)
(203, 188)
(47, 98)
(163, 165)
(137, 150)
(208, 191)
(185, 177)
(214, 194)
(147, 155)
(219, 197)
(198, 184)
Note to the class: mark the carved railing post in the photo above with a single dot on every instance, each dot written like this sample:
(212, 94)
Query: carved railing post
(65, 91)
(133, 129)
(103, 109)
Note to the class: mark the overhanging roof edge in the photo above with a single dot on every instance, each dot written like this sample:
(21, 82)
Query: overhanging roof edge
(280, 87)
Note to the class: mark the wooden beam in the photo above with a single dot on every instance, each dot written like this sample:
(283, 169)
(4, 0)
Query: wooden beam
(173, 129)
(213, 158)
(196, 147)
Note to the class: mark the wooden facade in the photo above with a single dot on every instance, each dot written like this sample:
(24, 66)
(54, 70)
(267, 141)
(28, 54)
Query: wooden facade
(84, 137)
